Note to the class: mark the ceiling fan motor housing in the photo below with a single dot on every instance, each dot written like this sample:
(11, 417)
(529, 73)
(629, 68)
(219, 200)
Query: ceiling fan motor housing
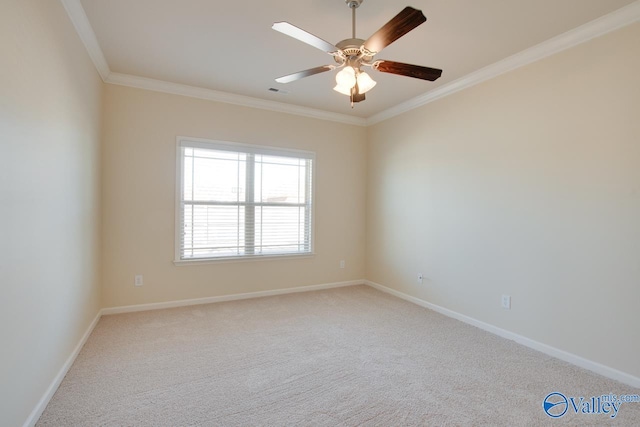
(350, 47)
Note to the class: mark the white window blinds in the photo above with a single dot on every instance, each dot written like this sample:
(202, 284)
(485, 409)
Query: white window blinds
(238, 200)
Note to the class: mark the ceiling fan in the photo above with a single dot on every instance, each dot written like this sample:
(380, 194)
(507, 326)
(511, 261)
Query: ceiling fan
(353, 54)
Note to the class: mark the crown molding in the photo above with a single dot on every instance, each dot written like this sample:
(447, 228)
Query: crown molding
(87, 35)
(229, 98)
(598, 27)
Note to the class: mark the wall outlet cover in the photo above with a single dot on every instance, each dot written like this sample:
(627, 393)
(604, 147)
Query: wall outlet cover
(506, 302)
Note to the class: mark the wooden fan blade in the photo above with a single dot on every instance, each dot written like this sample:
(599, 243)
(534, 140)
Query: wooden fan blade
(305, 37)
(399, 25)
(306, 73)
(415, 71)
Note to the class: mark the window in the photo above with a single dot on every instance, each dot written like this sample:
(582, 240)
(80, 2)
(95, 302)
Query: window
(236, 200)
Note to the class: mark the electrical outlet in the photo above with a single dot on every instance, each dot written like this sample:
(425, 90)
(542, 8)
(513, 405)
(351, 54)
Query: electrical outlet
(138, 280)
(506, 302)
(342, 264)
(420, 278)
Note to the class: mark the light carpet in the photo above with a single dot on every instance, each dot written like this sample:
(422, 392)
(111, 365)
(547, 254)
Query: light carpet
(341, 357)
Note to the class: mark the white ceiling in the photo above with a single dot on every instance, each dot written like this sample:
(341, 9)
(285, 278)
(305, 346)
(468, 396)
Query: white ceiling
(229, 46)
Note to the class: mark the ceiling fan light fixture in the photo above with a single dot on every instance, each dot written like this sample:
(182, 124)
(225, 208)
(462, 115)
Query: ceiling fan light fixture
(343, 90)
(365, 82)
(346, 77)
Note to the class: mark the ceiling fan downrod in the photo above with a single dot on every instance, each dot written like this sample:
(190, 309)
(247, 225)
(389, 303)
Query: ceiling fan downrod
(353, 5)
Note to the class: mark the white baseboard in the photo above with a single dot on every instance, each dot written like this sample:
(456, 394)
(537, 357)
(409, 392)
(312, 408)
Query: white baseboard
(596, 367)
(44, 400)
(209, 300)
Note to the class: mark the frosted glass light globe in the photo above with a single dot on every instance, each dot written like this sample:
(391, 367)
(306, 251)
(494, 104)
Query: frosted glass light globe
(365, 83)
(346, 77)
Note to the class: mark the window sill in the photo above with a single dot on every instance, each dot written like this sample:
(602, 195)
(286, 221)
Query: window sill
(185, 262)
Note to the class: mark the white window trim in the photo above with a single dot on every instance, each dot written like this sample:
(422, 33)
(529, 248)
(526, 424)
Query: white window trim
(258, 149)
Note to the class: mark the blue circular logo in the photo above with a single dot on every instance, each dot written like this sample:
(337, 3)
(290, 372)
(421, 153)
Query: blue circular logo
(555, 405)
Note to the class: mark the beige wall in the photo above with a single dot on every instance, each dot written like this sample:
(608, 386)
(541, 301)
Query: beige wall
(139, 179)
(50, 113)
(526, 185)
